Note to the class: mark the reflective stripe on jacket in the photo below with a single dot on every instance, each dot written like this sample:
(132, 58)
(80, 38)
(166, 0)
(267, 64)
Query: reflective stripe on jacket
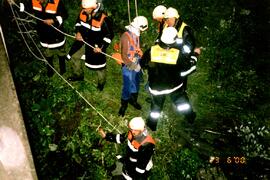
(50, 7)
(134, 145)
(181, 29)
(92, 24)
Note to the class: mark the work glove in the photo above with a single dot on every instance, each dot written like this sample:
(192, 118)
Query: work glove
(139, 52)
(138, 68)
(101, 132)
(131, 66)
(134, 67)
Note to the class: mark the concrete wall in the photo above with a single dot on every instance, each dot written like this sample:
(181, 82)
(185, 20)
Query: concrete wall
(16, 162)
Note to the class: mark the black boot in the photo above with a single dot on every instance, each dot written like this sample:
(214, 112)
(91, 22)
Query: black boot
(152, 123)
(133, 101)
(100, 87)
(190, 117)
(62, 64)
(123, 108)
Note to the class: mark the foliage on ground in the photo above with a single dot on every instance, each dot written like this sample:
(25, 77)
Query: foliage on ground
(229, 91)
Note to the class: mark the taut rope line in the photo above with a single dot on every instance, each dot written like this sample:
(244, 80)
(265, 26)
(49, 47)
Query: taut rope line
(44, 60)
(67, 34)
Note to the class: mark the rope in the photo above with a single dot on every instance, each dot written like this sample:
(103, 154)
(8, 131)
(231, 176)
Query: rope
(68, 35)
(41, 59)
(129, 19)
(136, 7)
(44, 60)
(4, 43)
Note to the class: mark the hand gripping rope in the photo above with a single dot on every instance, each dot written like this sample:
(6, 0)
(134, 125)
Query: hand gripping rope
(44, 59)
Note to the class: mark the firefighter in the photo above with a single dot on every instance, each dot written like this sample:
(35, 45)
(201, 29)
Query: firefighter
(137, 161)
(95, 28)
(76, 54)
(131, 55)
(186, 40)
(167, 67)
(53, 13)
(158, 15)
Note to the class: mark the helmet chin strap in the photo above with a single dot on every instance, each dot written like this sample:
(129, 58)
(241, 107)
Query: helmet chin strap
(133, 29)
(98, 6)
(145, 132)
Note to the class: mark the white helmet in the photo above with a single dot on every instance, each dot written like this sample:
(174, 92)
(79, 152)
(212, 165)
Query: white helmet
(89, 4)
(171, 13)
(159, 11)
(140, 22)
(137, 123)
(169, 35)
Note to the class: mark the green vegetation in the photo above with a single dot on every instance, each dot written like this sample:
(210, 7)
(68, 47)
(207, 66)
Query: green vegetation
(230, 93)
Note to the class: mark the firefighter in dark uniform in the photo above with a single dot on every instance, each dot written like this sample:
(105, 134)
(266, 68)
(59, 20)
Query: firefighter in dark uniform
(186, 40)
(137, 162)
(95, 28)
(53, 13)
(167, 67)
(158, 16)
(77, 53)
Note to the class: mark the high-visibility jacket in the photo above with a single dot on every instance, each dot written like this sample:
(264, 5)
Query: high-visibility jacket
(185, 33)
(138, 158)
(50, 8)
(55, 10)
(97, 31)
(95, 24)
(135, 144)
(133, 46)
(130, 48)
(179, 27)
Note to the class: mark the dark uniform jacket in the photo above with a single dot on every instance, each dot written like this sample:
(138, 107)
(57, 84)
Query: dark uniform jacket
(186, 34)
(138, 158)
(54, 9)
(97, 31)
(168, 68)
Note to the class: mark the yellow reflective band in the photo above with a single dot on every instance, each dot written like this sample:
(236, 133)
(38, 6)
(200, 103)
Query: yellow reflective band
(165, 56)
(180, 32)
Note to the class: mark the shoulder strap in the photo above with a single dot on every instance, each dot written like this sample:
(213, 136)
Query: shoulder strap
(180, 32)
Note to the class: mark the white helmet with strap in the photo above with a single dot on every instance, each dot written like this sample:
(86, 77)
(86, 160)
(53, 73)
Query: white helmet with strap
(159, 12)
(89, 4)
(171, 13)
(140, 22)
(169, 35)
(137, 123)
